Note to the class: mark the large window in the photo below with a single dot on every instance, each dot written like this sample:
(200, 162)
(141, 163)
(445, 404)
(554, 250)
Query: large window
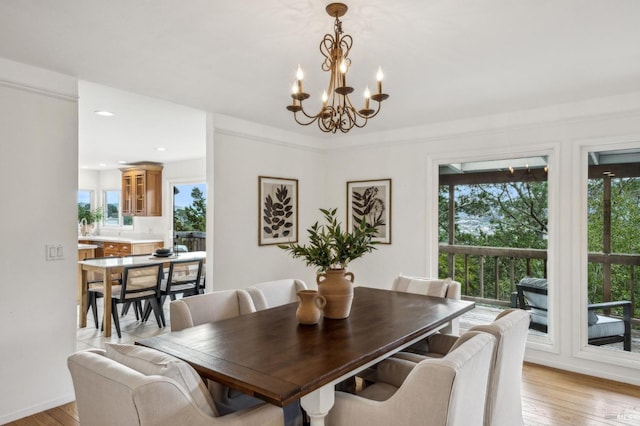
(613, 243)
(493, 225)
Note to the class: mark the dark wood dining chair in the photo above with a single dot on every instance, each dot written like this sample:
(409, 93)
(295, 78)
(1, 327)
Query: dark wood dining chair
(95, 288)
(139, 283)
(182, 278)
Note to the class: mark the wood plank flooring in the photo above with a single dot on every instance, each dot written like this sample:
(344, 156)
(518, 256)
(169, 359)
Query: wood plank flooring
(550, 397)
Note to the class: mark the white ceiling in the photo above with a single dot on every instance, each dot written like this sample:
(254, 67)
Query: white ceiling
(442, 59)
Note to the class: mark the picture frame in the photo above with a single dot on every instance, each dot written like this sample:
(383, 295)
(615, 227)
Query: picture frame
(277, 210)
(370, 199)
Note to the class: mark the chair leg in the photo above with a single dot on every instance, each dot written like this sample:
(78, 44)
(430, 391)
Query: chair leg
(93, 304)
(114, 315)
(138, 309)
(157, 311)
(147, 310)
(125, 308)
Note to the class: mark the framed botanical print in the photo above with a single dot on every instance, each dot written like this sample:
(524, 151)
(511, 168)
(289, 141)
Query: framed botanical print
(277, 210)
(371, 200)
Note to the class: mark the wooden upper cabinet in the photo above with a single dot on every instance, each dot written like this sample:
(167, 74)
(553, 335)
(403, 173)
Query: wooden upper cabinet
(142, 190)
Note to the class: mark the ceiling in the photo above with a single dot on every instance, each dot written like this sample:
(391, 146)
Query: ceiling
(443, 59)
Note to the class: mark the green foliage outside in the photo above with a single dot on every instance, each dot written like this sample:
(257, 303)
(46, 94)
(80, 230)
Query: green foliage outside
(193, 217)
(625, 235)
(515, 215)
(511, 215)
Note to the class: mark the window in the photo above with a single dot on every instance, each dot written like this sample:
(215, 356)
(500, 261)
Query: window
(493, 226)
(85, 197)
(613, 241)
(113, 216)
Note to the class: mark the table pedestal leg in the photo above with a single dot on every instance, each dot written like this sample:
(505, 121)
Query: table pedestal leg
(318, 403)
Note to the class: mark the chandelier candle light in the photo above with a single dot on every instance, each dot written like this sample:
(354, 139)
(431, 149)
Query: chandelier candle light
(337, 113)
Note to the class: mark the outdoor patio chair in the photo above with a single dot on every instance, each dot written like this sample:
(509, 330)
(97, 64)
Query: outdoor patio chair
(531, 294)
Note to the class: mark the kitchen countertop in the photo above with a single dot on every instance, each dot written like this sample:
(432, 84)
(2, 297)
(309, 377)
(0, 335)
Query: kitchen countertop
(87, 246)
(128, 240)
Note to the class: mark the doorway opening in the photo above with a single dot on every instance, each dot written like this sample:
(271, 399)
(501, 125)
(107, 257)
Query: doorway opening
(189, 217)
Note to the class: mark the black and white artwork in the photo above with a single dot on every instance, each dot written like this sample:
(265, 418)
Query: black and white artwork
(278, 210)
(371, 200)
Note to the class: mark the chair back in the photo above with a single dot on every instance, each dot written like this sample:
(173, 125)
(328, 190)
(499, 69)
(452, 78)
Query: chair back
(461, 377)
(141, 281)
(532, 293)
(428, 286)
(275, 293)
(210, 307)
(184, 272)
(432, 287)
(443, 391)
(109, 393)
(504, 403)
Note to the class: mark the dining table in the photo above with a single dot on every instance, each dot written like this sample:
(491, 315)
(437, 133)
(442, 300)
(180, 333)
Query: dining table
(269, 355)
(108, 266)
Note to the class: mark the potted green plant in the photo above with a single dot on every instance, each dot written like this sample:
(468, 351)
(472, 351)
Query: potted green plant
(88, 218)
(330, 249)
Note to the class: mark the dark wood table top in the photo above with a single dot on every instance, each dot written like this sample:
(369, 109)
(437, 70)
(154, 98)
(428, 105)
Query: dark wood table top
(267, 354)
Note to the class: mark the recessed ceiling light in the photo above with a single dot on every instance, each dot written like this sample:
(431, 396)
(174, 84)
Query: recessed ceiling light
(104, 113)
(161, 148)
(122, 162)
(102, 165)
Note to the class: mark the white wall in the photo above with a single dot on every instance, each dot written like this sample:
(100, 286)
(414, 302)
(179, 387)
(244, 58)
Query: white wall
(242, 153)
(560, 132)
(39, 171)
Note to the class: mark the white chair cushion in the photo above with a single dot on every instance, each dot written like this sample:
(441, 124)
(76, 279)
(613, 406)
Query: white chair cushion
(605, 327)
(151, 362)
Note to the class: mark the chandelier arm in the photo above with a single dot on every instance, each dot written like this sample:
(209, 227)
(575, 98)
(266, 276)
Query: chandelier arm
(302, 123)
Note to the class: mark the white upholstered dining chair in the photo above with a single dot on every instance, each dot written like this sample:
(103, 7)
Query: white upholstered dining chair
(133, 385)
(216, 306)
(510, 328)
(431, 287)
(275, 293)
(446, 391)
(211, 307)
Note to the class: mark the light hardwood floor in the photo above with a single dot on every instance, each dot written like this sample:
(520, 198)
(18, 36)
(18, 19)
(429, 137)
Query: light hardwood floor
(549, 397)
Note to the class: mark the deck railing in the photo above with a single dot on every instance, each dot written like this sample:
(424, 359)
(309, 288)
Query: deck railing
(489, 274)
(192, 240)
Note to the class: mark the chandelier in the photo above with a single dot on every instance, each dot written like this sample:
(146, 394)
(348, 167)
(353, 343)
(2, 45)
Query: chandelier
(337, 112)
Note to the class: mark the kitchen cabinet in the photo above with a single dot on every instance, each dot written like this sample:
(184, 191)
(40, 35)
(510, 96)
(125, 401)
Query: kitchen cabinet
(107, 247)
(117, 249)
(142, 190)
